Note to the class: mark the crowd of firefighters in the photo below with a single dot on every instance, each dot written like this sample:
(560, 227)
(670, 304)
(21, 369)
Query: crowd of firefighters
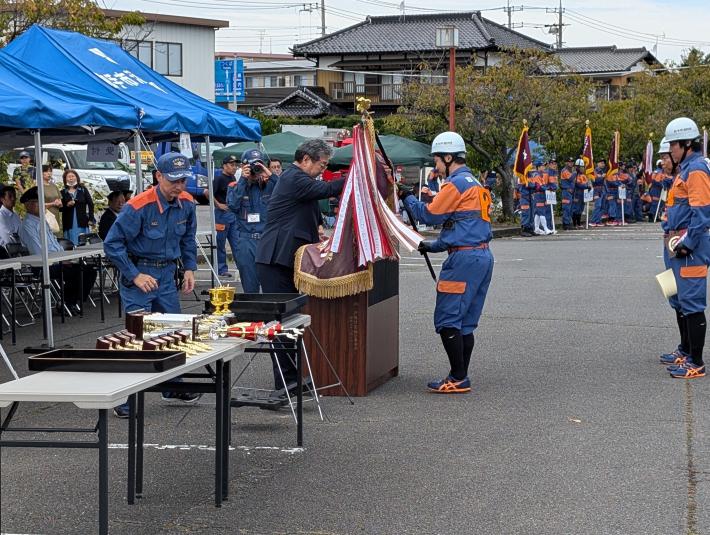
(626, 195)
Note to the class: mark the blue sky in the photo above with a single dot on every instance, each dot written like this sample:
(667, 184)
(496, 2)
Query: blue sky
(275, 25)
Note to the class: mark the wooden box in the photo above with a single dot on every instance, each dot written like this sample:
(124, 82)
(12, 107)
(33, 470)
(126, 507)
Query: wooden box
(360, 335)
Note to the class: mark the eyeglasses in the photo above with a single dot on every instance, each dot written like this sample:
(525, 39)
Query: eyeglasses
(323, 164)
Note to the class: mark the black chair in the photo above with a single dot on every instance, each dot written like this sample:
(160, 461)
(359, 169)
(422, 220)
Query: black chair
(89, 239)
(67, 245)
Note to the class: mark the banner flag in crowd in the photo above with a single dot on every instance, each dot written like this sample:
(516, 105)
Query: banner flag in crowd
(613, 168)
(523, 157)
(587, 154)
(647, 163)
(366, 229)
(705, 142)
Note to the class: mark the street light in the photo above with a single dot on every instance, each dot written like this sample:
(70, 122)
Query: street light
(448, 37)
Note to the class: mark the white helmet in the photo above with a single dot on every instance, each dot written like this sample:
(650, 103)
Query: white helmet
(664, 147)
(580, 162)
(448, 143)
(681, 129)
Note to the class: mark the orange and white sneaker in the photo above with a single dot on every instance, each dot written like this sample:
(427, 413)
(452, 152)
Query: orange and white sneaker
(450, 386)
(688, 371)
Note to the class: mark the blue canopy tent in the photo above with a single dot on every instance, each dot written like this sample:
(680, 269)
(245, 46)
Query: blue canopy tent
(104, 68)
(68, 111)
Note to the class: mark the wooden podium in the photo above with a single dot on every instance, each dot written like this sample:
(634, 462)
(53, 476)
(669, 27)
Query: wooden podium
(360, 335)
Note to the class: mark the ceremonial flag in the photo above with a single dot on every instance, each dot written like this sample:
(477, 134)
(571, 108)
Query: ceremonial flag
(366, 229)
(614, 155)
(523, 158)
(705, 142)
(587, 154)
(648, 162)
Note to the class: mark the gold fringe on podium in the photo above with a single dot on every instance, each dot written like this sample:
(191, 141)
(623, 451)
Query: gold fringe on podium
(330, 288)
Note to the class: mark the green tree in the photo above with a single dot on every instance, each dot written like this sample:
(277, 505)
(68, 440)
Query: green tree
(82, 16)
(490, 107)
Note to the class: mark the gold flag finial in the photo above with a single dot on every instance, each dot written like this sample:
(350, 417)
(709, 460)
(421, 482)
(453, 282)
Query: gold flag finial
(363, 104)
(586, 123)
(525, 123)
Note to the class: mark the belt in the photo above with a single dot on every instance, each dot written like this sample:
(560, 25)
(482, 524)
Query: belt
(151, 263)
(467, 247)
(674, 232)
(253, 236)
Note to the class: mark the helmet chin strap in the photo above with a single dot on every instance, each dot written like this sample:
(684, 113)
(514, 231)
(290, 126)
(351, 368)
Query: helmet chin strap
(676, 164)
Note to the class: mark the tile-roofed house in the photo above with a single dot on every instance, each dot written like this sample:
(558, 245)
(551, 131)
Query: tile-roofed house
(416, 33)
(611, 67)
(303, 102)
(406, 45)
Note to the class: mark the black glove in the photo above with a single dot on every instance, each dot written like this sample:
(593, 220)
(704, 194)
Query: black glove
(404, 190)
(426, 246)
(681, 251)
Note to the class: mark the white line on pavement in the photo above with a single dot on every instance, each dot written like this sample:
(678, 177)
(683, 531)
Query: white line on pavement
(202, 447)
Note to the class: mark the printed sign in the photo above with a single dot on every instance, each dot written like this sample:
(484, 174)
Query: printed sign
(185, 145)
(102, 152)
(228, 78)
(622, 193)
(588, 195)
(550, 197)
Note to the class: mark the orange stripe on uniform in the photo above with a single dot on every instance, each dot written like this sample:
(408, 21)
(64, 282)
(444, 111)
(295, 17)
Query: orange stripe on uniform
(693, 272)
(451, 287)
(698, 185)
(470, 200)
(144, 199)
(446, 201)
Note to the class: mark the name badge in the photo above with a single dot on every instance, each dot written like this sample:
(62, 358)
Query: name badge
(253, 218)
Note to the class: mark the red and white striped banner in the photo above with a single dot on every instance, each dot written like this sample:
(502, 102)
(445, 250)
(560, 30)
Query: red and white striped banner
(376, 228)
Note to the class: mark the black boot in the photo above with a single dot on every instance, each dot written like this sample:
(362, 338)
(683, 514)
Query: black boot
(696, 336)
(683, 329)
(468, 343)
(453, 344)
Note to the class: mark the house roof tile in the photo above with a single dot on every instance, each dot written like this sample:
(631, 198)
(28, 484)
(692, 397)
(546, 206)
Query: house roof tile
(416, 33)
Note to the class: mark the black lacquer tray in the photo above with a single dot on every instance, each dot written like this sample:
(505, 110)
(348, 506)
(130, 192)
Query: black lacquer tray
(264, 307)
(104, 360)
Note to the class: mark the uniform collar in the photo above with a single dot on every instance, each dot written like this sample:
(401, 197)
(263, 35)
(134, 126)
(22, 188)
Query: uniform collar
(691, 158)
(461, 170)
(162, 201)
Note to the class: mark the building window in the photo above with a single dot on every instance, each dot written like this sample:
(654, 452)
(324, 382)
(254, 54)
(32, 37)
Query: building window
(141, 50)
(168, 58)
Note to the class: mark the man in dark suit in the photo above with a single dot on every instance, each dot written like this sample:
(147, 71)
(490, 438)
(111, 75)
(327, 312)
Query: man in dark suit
(293, 215)
(292, 220)
(116, 200)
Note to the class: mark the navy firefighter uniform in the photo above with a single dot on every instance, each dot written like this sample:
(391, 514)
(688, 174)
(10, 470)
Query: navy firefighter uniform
(686, 232)
(248, 199)
(462, 209)
(149, 236)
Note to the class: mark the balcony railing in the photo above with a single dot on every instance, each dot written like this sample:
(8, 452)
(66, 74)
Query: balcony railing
(378, 93)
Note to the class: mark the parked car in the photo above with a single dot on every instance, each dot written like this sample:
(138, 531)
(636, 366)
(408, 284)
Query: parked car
(101, 177)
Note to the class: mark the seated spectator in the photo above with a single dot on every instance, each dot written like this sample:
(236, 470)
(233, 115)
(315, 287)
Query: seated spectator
(116, 200)
(127, 195)
(30, 237)
(9, 220)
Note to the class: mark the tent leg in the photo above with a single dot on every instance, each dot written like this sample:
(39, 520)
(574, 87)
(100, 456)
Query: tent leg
(43, 242)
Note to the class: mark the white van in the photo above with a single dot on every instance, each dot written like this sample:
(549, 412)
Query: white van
(101, 177)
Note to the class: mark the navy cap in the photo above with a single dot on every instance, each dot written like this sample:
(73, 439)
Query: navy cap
(24, 154)
(174, 166)
(229, 159)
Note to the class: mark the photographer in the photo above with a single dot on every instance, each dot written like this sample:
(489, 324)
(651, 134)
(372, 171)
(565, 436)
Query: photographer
(248, 200)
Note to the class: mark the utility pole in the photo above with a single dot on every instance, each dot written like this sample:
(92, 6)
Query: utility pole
(322, 17)
(510, 10)
(557, 28)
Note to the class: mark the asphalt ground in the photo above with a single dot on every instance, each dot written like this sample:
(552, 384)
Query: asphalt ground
(572, 426)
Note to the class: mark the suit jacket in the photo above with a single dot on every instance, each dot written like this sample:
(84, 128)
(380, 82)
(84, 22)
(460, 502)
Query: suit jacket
(84, 206)
(293, 215)
(108, 218)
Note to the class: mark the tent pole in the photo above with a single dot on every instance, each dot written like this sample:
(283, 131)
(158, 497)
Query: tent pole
(47, 316)
(213, 227)
(139, 162)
